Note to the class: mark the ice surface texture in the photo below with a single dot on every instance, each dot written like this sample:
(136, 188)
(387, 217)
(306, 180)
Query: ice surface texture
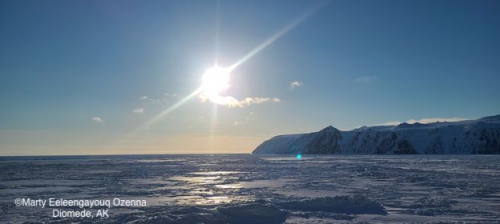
(338, 204)
(481, 136)
(261, 189)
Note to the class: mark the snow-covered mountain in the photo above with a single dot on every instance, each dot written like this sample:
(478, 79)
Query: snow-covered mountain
(481, 136)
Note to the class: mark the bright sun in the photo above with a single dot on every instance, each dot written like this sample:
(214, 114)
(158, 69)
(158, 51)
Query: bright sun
(215, 79)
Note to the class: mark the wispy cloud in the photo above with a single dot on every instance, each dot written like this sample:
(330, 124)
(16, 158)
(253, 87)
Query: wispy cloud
(295, 84)
(434, 120)
(233, 102)
(138, 111)
(251, 116)
(256, 100)
(150, 100)
(165, 99)
(366, 79)
(390, 123)
(97, 120)
(246, 119)
(171, 95)
(424, 121)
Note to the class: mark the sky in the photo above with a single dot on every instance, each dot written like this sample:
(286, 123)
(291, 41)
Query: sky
(127, 77)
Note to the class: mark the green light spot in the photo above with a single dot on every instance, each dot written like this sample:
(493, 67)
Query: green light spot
(299, 156)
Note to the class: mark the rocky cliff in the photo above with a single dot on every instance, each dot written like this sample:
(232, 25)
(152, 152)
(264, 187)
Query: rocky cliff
(481, 136)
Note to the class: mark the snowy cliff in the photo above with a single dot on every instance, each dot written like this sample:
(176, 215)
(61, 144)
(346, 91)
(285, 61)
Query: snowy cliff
(481, 136)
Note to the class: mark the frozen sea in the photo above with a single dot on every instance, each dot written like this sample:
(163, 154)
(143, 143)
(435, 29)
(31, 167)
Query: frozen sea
(243, 188)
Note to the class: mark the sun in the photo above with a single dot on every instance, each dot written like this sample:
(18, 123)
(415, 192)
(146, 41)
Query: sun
(215, 80)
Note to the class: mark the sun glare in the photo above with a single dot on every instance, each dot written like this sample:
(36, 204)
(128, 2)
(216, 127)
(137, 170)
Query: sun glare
(215, 80)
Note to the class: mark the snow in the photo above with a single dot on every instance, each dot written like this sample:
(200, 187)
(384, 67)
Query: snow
(261, 188)
(481, 136)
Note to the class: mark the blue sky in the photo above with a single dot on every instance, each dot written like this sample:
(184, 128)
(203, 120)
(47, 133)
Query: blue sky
(92, 77)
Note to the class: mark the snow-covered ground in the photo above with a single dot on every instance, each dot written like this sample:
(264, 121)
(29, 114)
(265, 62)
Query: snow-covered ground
(259, 189)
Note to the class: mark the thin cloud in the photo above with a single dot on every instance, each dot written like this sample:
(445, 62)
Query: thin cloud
(150, 100)
(424, 121)
(97, 120)
(390, 123)
(434, 120)
(255, 100)
(171, 95)
(366, 79)
(233, 102)
(138, 111)
(251, 116)
(295, 84)
(246, 119)
(163, 100)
